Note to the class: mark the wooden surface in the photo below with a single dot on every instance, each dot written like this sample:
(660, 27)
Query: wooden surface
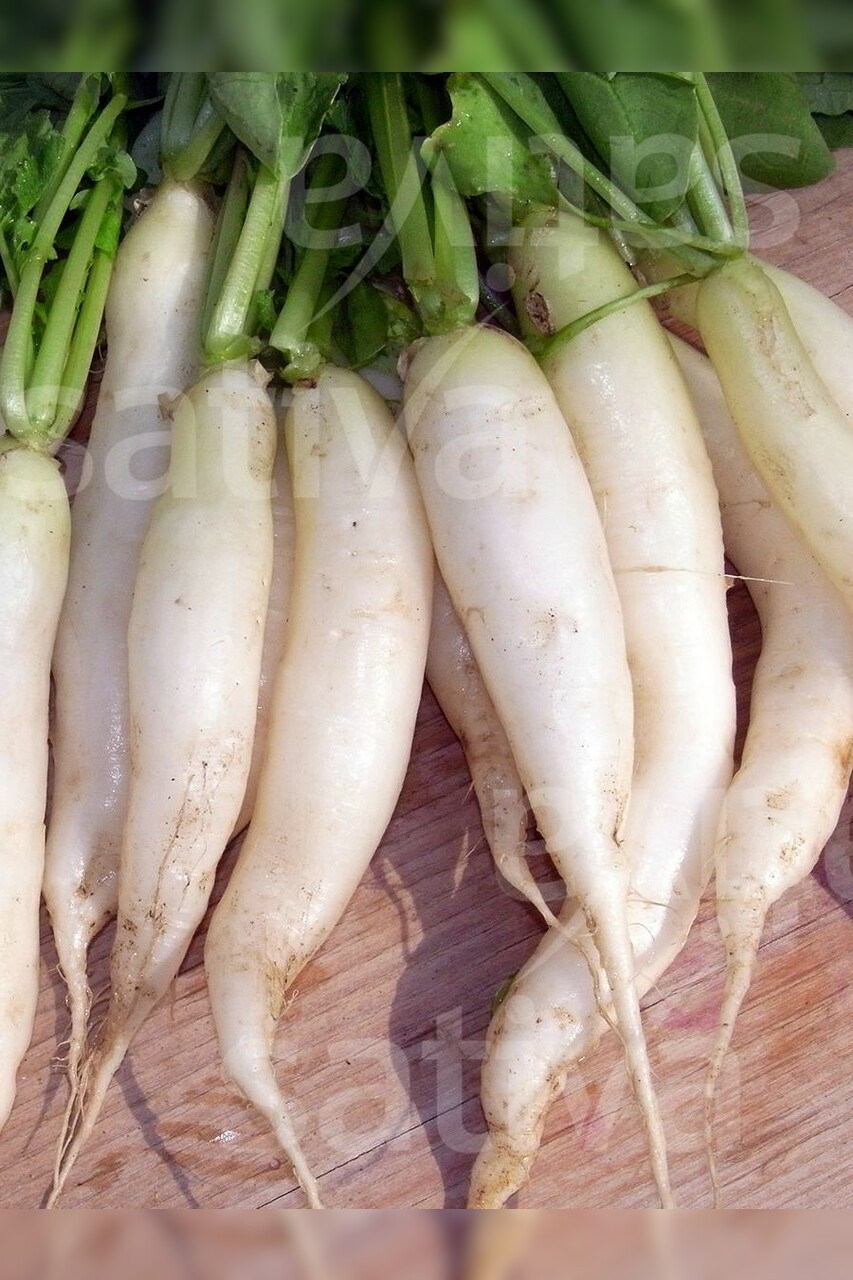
(379, 1050)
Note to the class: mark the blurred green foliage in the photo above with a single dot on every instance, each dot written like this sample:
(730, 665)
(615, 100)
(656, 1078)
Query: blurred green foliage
(469, 35)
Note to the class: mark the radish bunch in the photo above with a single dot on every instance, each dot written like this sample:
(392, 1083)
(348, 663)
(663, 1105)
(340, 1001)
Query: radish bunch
(267, 559)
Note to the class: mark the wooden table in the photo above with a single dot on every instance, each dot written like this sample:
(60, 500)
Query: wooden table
(380, 1049)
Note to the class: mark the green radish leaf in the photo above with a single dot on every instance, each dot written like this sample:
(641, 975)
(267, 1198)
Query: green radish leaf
(28, 162)
(21, 95)
(277, 115)
(828, 93)
(644, 126)
(767, 117)
(837, 130)
(114, 161)
(487, 147)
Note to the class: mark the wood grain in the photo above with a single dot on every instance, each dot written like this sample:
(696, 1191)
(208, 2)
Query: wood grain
(380, 1048)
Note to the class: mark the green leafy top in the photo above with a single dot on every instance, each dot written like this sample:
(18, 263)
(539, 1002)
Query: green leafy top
(29, 161)
(61, 194)
(274, 115)
(487, 148)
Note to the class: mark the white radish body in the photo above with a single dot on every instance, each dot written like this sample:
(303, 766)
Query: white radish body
(794, 432)
(824, 328)
(341, 723)
(629, 411)
(787, 796)
(455, 679)
(152, 326)
(520, 546)
(34, 540)
(194, 654)
(284, 550)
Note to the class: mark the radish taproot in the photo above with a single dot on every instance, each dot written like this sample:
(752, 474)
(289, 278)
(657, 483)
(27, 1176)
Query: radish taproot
(341, 723)
(194, 645)
(34, 539)
(787, 796)
(152, 323)
(652, 481)
(455, 679)
(493, 453)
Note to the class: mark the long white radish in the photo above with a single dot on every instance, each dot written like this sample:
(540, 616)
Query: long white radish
(152, 329)
(794, 432)
(786, 798)
(455, 679)
(631, 417)
(284, 550)
(520, 545)
(341, 723)
(194, 653)
(34, 539)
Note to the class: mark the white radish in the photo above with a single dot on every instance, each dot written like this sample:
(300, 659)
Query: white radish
(194, 654)
(152, 319)
(341, 722)
(455, 679)
(629, 411)
(794, 432)
(34, 540)
(787, 796)
(284, 549)
(520, 545)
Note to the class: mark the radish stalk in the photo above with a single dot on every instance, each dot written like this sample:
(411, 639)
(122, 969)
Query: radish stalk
(455, 679)
(355, 648)
(151, 320)
(787, 796)
(34, 537)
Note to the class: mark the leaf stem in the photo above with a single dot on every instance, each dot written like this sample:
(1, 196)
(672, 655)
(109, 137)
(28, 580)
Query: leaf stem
(191, 126)
(407, 214)
(291, 333)
(705, 202)
(232, 214)
(455, 253)
(228, 334)
(550, 346)
(17, 358)
(47, 374)
(725, 160)
(83, 344)
(83, 106)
